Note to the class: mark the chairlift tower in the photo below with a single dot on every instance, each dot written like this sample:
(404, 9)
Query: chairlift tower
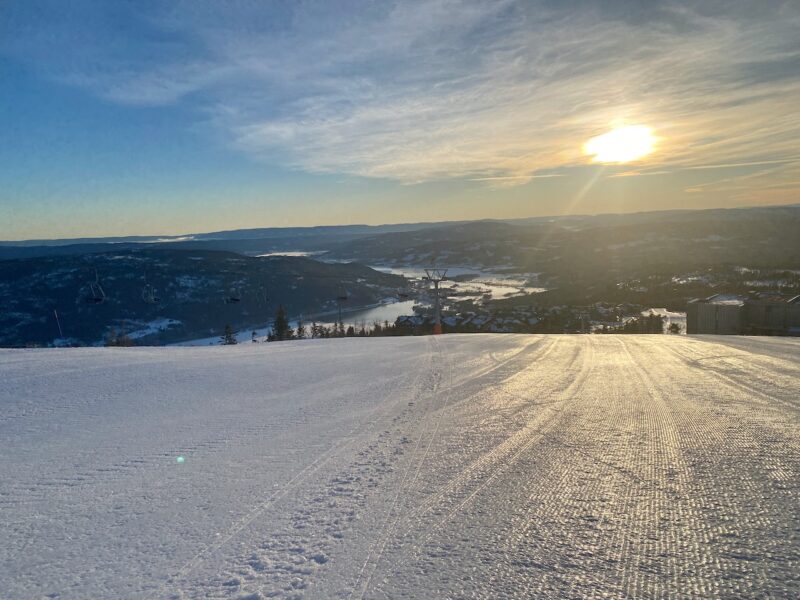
(149, 293)
(436, 276)
(342, 297)
(96, 293)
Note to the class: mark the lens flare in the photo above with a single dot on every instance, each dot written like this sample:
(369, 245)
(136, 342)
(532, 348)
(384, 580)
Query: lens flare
(180, 459)
(621, 145)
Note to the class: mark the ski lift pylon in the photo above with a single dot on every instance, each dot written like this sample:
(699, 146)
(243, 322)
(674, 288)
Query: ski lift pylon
(149, 293)
(96, 293)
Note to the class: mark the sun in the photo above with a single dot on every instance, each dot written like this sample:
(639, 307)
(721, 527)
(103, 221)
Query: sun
(621, 145)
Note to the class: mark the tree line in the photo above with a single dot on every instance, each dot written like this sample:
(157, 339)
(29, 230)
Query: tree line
(282, 330)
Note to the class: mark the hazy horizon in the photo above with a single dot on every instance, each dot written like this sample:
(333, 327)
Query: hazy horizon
(174, 235)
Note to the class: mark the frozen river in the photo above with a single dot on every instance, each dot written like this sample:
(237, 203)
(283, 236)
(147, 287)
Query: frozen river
(459, 466)
(479, 283)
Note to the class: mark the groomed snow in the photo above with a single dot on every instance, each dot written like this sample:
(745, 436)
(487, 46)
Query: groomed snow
(462, 466)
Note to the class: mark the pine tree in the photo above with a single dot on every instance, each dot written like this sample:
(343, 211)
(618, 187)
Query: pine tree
(301, 330)
(229, 337)
(280, 328)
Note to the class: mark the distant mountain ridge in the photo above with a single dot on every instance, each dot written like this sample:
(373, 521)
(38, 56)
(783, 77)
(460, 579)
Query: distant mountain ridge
(322, 237)
(599, 245)
(245, 241)
(233, 234)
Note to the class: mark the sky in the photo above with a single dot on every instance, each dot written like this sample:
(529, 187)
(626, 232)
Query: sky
(180, 116)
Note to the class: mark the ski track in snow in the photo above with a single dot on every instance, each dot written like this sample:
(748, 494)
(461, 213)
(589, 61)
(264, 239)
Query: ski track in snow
(460, 466)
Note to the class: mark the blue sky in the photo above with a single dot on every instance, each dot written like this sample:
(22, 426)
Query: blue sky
(121, 118)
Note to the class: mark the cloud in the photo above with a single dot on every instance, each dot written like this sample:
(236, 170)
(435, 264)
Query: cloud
(424, 90)
(757, 163)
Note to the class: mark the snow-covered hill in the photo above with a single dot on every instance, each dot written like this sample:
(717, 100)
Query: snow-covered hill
(169, 295)
(491, 466)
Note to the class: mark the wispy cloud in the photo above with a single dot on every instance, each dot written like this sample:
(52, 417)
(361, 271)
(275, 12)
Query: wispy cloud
(435, 89)
(754, 163)
(515, 177)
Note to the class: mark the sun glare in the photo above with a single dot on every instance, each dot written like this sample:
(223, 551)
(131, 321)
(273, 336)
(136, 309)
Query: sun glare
(621, 145)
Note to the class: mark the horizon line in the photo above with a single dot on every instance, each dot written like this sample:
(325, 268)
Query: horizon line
(169, 237)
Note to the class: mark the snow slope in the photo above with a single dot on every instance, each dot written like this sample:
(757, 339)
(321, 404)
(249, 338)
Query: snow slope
(487, 466)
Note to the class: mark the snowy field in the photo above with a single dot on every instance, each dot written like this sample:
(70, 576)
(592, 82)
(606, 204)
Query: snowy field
(463, 466)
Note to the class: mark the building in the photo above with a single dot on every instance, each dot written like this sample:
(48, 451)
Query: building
(756, 314)
(718, 314)
(772, 314)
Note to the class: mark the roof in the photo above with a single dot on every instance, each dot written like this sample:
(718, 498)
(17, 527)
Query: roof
(723, 300)
(775, 298)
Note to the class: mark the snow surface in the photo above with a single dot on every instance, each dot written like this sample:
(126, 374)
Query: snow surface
(460, 466)
(150, 327)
